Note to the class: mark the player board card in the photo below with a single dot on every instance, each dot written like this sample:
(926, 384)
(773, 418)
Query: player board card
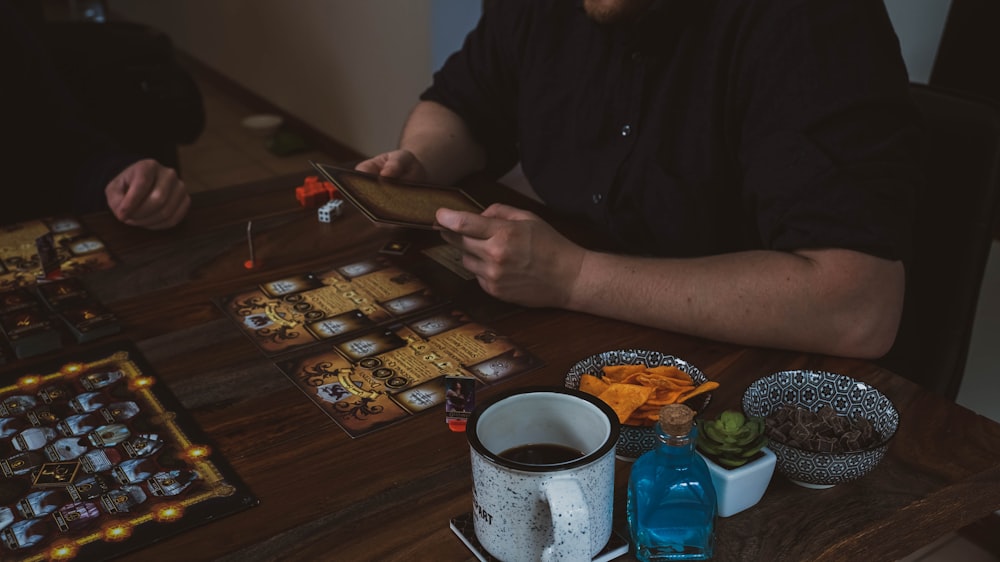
(396, 202)
(287, 314)
(17, 299)
(98, 458)
(62, 292)
(451, 258)
(88, 320)
(70, 250)
(395, 247)
(53, 313)
(30, 331)
(390, 374)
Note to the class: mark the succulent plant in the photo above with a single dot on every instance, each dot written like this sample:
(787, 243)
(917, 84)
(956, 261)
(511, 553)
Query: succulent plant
(731, 439)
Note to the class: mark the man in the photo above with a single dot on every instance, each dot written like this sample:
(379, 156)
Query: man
(53, 162)
(751, 161)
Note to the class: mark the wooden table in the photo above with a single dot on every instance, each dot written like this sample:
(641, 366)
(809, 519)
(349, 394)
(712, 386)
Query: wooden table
(390, 495)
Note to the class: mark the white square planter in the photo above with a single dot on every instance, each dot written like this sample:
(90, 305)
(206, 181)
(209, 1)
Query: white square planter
(740, 488)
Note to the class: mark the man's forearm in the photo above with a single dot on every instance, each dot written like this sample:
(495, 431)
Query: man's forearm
(442, 143)
(837, 302)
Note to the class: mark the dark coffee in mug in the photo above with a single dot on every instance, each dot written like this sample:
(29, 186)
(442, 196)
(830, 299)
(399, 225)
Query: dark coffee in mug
(542, 453)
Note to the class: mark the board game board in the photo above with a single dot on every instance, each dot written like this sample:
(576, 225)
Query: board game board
(290, 313)
(68, 245)
(97, 458)
(370, 343)
(388, 375)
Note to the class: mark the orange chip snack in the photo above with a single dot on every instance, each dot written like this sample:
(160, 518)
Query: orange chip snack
(665, 383)
(593, 385)
(625, 398)
(618, 373)
(703, 387)
(637, 392)
(669, 371)
(663, 397)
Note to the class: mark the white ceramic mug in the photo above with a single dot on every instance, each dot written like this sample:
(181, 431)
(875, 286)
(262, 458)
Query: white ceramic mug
(545, 512)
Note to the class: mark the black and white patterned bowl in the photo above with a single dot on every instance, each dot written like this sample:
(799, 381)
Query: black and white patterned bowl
(634, 440)
(813, 390)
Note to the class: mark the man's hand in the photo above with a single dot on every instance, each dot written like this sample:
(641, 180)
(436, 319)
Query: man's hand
(436, 147)
(401, 164)
(148, 195)
(515, 255)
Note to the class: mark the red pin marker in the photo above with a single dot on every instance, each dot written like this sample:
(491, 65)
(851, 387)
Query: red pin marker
(250, 263)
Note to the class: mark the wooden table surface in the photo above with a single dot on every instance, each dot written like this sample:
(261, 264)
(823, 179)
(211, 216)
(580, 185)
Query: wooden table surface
(389, 495)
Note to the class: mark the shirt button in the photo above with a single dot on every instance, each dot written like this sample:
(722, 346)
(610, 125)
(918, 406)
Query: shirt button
(626, 130)
(597, 198)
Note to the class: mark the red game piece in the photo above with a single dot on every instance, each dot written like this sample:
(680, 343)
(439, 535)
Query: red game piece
(312, 192)
(331, 190)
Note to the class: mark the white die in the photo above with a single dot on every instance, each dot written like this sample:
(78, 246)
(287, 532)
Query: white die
(330, 209)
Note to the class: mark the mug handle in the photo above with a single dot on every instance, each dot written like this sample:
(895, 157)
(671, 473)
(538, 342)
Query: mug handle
(570, 520)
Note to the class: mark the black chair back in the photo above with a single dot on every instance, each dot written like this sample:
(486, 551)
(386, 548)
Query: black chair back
(955, 209)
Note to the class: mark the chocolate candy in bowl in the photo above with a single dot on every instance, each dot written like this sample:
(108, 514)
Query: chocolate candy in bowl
(819, 391)
(634, 440)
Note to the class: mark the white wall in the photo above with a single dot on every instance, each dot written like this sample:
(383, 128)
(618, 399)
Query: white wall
(353, 69)
(918, 25)
(350, 68)
(451, 20)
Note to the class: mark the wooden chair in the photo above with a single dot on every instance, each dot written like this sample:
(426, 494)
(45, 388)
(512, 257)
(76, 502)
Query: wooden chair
(955, 210)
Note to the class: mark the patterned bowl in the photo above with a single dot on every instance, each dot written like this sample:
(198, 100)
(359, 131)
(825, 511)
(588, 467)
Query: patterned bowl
(813, 390)
(634, 440)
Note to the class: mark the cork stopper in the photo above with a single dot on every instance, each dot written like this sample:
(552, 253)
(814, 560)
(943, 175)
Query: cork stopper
(676, 419)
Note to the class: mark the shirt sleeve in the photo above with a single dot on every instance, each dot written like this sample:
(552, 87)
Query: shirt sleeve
(478, 82)
(829, 133)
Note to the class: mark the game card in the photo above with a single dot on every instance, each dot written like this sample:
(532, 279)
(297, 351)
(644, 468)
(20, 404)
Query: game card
(347, 323)
(451, 258)
(396, 202)
(372, 343)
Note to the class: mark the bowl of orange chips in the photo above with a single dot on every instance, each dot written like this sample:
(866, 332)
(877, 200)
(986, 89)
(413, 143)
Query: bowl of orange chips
(636, 383)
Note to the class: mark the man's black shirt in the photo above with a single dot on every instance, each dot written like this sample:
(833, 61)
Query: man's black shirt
(703, 128)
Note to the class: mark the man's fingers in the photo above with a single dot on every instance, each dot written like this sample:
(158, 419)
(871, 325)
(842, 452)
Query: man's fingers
(506, 212)
(399, 163)
(466, 224)
(375, 165)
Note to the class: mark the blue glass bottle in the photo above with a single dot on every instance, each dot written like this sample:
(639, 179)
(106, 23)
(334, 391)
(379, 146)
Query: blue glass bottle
(671, 501)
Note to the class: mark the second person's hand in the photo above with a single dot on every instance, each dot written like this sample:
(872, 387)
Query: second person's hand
(148, 195)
